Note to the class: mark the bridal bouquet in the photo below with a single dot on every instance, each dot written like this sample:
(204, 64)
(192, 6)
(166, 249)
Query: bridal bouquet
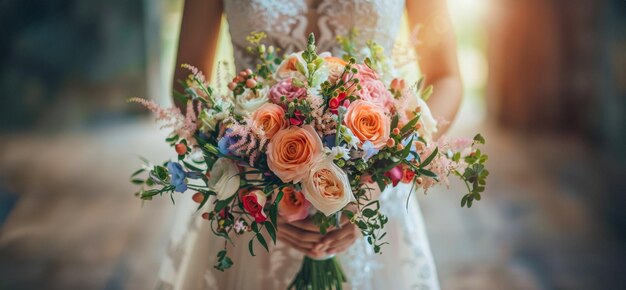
(304, 135)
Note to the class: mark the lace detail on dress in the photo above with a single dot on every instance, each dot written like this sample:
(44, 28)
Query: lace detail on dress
(286, 23)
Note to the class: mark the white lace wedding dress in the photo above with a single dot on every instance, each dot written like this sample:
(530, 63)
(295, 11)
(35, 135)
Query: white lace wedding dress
(406, 263)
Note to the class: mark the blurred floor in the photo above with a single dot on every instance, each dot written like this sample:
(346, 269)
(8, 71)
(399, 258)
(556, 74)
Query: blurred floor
(74, 223)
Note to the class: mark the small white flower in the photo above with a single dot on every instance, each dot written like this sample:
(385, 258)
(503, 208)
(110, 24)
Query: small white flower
(349, 137)
(338, 152)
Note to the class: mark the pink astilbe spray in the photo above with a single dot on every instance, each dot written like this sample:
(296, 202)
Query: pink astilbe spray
(324, 122)
(251, 140)
(182, 125)
(442, 165)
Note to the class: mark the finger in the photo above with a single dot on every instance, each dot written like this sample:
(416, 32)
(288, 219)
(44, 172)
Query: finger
(337, 250)
(304, 248)
(340, 234)
(305, 224)
(299, 234)
(293, 241)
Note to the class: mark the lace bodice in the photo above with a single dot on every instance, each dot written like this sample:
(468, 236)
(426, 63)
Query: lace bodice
(287, 23)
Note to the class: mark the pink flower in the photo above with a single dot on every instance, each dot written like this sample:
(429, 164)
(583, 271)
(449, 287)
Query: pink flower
(395, 174)
(293, 206)
(287, 89)
(372, 88)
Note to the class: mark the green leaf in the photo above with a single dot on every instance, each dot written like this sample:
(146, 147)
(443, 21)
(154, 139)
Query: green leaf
(274, 213)
(189, 166)
(137, 172)
(221, 204)
(270, 230)
(394, 121)
(427, 172)
(369, 213)
(410, 125)
(137, 181)
(251, 247)
(261, 239)
(430, 158)
(479, 138)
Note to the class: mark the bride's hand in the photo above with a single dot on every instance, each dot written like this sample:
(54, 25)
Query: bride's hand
(305, 236)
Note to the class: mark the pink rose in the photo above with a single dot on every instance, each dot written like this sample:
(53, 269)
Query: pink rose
(293, 206)
(287, 89)
(372, 88)
(292, 152)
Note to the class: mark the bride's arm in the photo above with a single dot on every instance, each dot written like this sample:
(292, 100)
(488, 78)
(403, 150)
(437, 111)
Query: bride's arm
(197, 43)
(437, 56)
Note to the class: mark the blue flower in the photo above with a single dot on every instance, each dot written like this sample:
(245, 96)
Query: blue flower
(329, 141)
(369, 150)
(225, 142)
(178, 176)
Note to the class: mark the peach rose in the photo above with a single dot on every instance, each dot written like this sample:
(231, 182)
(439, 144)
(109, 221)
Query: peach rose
(293, 66)
(270, 118)
(292, 151)
(336, 67)
(293, 206)
(368, 122)
(327, 187)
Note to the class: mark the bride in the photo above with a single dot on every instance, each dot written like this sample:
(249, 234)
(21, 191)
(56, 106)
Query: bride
(407, 262)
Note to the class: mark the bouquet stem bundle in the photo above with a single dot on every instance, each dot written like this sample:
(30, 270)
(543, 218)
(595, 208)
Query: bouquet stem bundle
(317, 274)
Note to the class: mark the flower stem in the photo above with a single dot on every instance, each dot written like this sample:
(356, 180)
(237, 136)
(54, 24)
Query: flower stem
(319, 275)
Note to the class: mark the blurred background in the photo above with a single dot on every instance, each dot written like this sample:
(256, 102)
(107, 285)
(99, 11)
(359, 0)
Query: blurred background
(545, 83)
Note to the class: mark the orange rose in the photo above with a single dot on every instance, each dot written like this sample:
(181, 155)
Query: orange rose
(368, 122)
(270, 118)
(292, 151)
(293, 206)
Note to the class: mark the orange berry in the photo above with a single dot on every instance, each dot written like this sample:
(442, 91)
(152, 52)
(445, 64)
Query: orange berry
(418, 126)
(396, 131)
(198, 197)
(391, 142)
(419, 181)
(400, 146)
(205, 216)
(250, 83)
(180, 148)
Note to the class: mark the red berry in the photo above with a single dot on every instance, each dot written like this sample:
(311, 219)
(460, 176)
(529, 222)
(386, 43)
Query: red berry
(205, 215)
(180, 148)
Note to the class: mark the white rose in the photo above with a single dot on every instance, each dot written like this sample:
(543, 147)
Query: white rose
(224, 178)
(249, 101)
(327, 187)
(429, 124)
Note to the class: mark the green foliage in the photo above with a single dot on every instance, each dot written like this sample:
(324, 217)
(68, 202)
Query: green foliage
(223, 261)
